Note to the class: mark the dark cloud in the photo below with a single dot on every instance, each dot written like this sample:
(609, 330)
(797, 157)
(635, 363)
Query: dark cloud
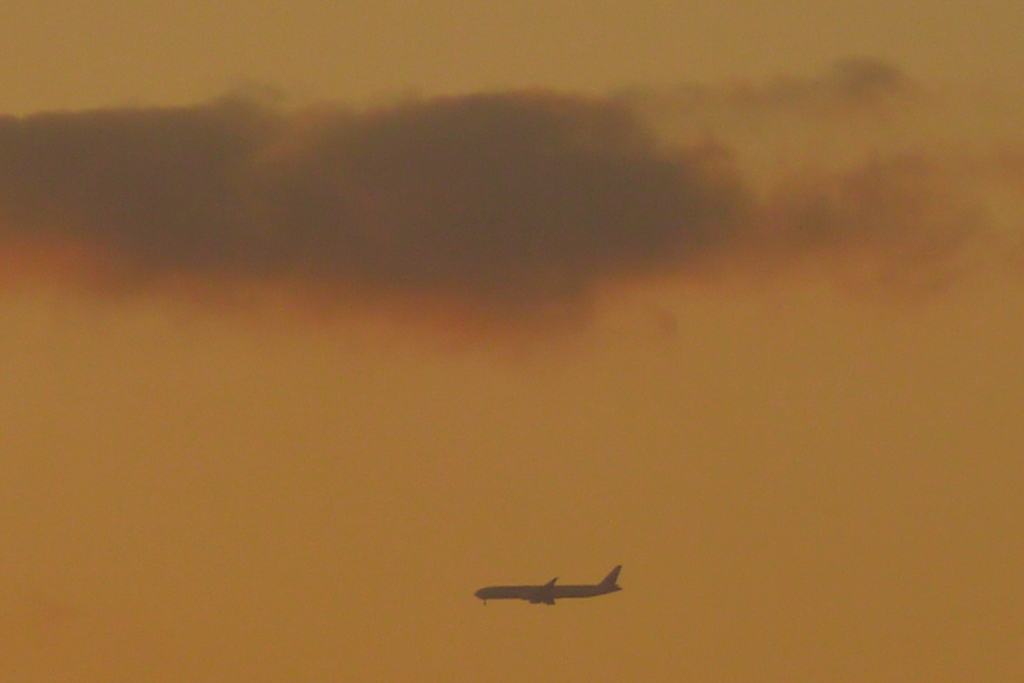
(501, 206)
(509, 200)
(504, 200)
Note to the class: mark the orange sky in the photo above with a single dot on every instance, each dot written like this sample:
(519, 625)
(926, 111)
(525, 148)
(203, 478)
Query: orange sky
(803, 445)
(77, 53)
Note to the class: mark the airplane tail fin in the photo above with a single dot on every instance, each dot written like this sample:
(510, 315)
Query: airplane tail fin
(612, 577)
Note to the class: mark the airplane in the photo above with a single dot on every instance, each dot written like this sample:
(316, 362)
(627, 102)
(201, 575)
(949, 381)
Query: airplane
(549, 592)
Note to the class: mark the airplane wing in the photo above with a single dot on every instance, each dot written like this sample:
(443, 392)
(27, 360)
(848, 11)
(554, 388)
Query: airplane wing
(545, 593)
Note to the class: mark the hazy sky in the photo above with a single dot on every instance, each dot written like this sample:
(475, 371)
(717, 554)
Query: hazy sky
(74, 53)
(316, 317)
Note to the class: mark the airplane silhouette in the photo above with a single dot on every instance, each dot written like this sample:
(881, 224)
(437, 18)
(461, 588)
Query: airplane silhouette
(549, 592)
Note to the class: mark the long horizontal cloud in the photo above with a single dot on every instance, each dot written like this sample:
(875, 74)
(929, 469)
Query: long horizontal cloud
(489, 200)
(500, 205)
